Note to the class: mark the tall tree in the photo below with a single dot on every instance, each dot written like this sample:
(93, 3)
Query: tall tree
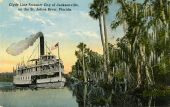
(81, 55)
(105, 10)
(147, 31)
(99, 8)
(131, 16)
(88, 64)
(96, 13)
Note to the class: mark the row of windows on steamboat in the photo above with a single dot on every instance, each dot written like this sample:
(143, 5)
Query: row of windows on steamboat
(46, 57)
(25, 78)
(41, 68)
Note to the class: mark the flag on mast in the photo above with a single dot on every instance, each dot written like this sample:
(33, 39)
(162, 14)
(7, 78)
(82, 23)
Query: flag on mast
(55, 46)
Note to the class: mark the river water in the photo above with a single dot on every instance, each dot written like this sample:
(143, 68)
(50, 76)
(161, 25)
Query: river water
(79, 96)
(10, 97)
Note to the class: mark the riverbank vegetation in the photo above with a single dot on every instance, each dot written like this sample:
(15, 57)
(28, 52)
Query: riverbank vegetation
(6, 77)
(140, 60)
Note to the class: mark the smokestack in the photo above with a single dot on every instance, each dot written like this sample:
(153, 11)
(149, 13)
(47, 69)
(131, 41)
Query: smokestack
(41, 43)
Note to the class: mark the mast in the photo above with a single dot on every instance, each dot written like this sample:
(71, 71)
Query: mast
(58, 51)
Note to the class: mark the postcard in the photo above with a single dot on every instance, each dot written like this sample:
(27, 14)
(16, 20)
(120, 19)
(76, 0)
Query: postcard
(84, 53)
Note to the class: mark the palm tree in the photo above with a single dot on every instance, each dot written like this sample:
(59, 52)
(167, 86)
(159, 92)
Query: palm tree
(81, 55)
(96, 13)
(99, 8)
(105, 10)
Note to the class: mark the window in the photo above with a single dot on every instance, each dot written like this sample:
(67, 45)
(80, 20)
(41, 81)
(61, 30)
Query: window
(52, 66)
(56, 74)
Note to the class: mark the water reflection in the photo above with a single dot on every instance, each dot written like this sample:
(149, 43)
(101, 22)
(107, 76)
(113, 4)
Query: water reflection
(77, 95)
(11, 96)
(89, 95)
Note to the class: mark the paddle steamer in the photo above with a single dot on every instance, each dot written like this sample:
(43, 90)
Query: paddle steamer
(46, 71)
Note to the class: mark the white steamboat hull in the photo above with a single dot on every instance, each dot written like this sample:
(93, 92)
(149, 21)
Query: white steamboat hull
(55, 82)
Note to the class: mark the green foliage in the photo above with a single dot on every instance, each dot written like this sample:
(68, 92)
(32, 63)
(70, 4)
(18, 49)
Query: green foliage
(145, 43)
(141, 56)
(93, 62)
(6, 77)
(157, 92)
(120, 75)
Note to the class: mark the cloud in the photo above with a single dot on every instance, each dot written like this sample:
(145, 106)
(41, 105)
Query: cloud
(20, 15)
(86, 15)
(86, 34)
(58, 34)
(50, 22)
(32, 17)
(6, 25)
(2, 26)
(40, 20)
(16, 1)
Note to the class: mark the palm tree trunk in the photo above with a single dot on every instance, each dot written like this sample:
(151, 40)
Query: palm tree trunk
(103, 44)
(106, 43)
(84, 71)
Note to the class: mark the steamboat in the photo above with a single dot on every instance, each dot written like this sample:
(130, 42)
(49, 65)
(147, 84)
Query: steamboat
(46, 71)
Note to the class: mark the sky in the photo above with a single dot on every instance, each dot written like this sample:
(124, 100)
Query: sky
(68, 28)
